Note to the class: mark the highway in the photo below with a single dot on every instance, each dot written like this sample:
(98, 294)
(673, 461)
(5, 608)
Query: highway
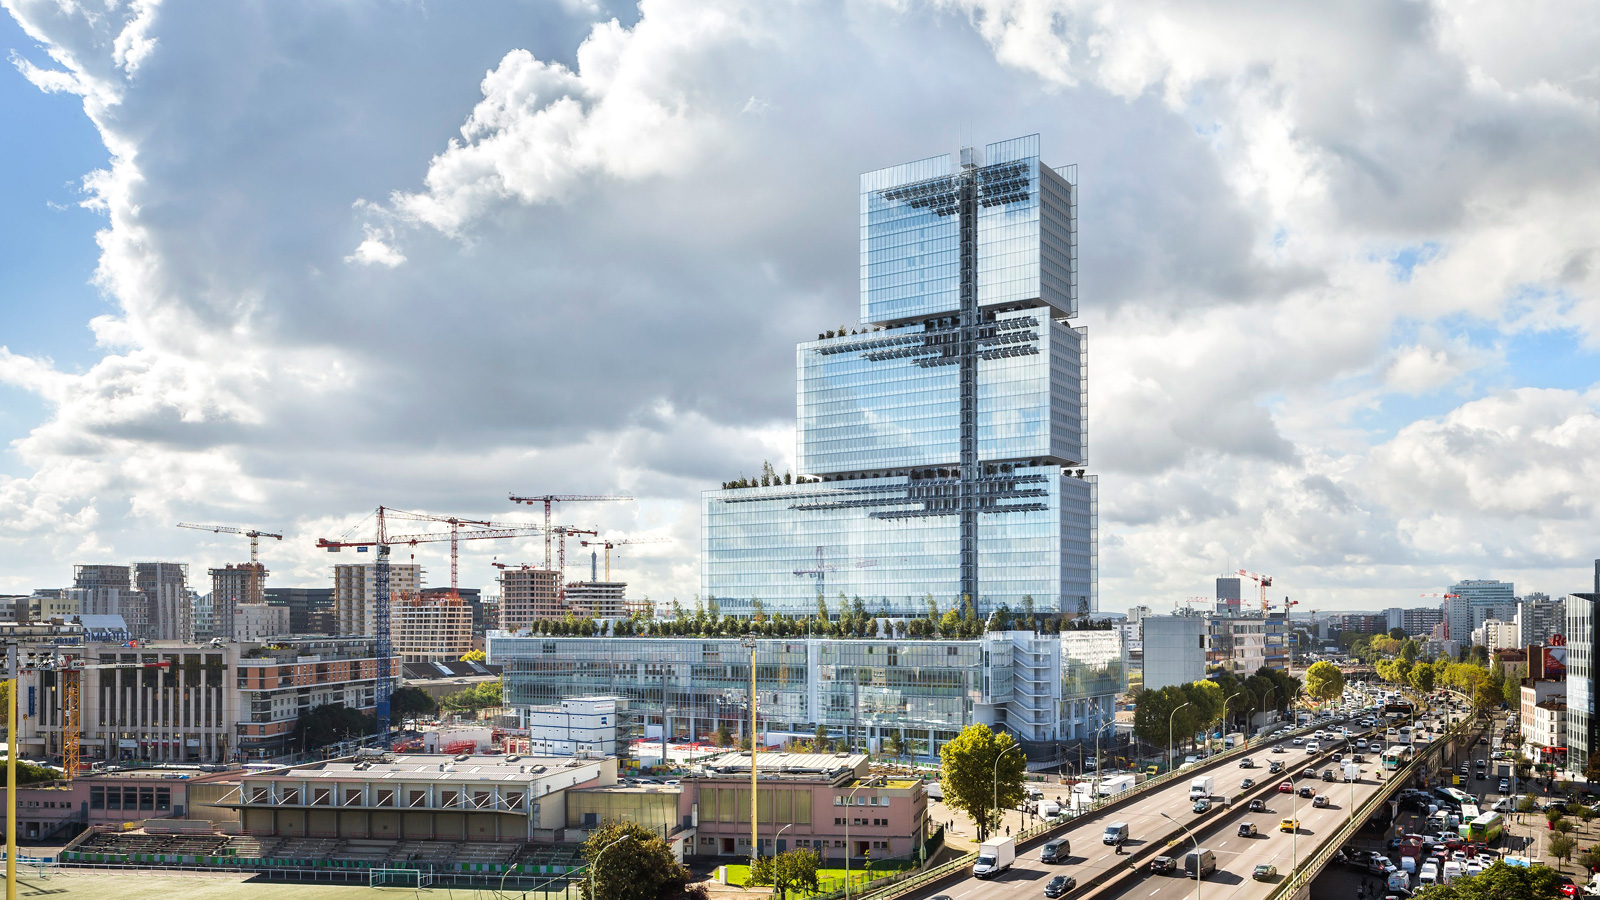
(1236, 856)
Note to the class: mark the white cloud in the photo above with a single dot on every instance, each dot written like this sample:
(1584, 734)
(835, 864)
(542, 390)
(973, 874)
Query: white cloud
(612, 239)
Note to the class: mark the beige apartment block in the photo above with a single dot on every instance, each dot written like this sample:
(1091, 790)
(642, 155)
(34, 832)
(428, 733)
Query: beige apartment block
(259, 621)
(429, 629)
(527, 595)
(355, 592)
(165, 586)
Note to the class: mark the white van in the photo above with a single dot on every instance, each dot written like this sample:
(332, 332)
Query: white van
(1313, 747)
(1430, 874)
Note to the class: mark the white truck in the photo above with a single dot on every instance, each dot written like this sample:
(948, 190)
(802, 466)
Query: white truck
(1201, 787)
(1352, 772)
(995, 856)
(1116, 784)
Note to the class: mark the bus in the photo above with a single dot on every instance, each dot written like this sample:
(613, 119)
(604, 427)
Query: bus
(1462, 798)
(1396, 757)
(1485, 829)
(1469, 812)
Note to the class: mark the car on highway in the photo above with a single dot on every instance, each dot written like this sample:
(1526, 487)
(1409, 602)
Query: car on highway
(1320, 801)
(1298, 741)
(1308, 772)
(1275, 767)
(1060, 885)
(1203, 805)
(1327, 775)
(1258, 806)
(1265, 872)
(1289, 825)
(1278, 748)
(1247, 829)
(1162, 865)
(1247, 784)
(1308, 791)
(1286, 787)
(1247, 763)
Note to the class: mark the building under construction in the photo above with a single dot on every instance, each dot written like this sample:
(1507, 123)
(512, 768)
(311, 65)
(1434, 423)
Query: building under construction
(355, 591)
(528, 595)
(430, 628)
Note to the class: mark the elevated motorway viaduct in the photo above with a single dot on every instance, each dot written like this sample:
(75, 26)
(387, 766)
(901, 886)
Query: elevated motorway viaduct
(1102, 874)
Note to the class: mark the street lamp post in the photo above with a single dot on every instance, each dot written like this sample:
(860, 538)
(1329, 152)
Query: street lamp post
(1198, 868)
(1225, 715)
(1170, 720)
(1098, 767)
(514, 866)
(594, 867)
(749, 642)
(782, 892)
(999, 756)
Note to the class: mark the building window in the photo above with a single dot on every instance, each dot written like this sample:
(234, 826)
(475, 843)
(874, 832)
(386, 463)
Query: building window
(97, 798)
(163, 798)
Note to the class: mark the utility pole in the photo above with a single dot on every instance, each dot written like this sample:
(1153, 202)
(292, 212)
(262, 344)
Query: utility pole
(11, 773)
(755, 821)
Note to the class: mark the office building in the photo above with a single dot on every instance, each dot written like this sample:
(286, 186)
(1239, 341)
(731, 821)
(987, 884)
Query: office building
(1582, 655)
(818, 801)
(1175, 650)
(426, 629)
(259, 621)
(165, 587)
(1475, 601)
(301, 603)
(1539, 619)
(1229, 596)
(355, 592)
(528, 595)
(1042, 689)
(1364, 623)
(940, 441)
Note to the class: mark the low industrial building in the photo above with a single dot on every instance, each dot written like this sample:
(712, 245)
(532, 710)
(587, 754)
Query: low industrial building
(431, 797)
(581, 726)
(826, 802)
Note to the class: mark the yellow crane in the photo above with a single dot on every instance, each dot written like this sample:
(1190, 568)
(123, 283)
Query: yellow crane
(71, 669)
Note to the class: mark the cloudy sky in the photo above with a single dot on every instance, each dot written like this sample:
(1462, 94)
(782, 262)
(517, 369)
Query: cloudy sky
(275, 263)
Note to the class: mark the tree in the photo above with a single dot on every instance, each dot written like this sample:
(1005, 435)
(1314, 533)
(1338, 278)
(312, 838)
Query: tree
(1485, 697)
(330, 723)
(1511, 691)
(1591, 769)
(642, 869)
(796, 870)
(470, 700)
(1422, 678)
(410, 703)
(724, 736)
(1562, 845)
(975, 766)
(476, 656)
(1324, 681)
(1397, 634)
(1527, 804)
(1498, 882)
(1590, 858)
(820, 740)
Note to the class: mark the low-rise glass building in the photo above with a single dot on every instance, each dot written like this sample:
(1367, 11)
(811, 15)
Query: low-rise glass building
(1042, 688)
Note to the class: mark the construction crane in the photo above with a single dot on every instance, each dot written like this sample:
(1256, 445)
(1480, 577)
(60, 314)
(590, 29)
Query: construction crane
(561, 532)
(548, 499)
(381, 601)
(71, 669)
(257, 573)
(1447, 596)
(609, 544)
(1263, 582)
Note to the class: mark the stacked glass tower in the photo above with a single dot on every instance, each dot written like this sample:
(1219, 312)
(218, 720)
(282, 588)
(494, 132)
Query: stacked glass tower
(939, 443)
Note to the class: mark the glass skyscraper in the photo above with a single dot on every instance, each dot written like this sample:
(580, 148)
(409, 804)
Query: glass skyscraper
(940, 443)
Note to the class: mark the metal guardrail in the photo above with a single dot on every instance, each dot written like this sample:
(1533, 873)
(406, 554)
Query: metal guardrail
(898, 886)
(1308, 870)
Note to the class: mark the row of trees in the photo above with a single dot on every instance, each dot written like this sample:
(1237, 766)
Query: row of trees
(1488, 689)
(1173, 714)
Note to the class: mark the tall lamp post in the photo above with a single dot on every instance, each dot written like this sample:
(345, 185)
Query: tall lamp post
(1097, 764)
(749, 642)
(999, 756)
(1198, 869)
(1170, 720)
(594, 867)
(1225, 714)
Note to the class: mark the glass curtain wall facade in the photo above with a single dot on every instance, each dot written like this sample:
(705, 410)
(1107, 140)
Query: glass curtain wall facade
(1582, 653)
(1041, 688)
(939, 441)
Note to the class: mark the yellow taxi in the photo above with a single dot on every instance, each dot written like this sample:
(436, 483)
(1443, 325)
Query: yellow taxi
(1290, 825)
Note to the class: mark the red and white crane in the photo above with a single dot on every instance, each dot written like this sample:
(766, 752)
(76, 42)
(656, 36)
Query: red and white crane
(1262, 582)
(548, 499)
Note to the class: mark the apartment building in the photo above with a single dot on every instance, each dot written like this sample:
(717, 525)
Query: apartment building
(1539, 619)
(428, 629)
(355, 592)
(598, 599)
(1496, 635)
(165, 587)
(528, 595)
(259, 621)
(277, 682)
(106, 590)
(231, 587)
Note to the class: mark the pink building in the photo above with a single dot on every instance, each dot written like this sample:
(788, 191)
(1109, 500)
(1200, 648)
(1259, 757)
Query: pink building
(45, 810)
(827, 802)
